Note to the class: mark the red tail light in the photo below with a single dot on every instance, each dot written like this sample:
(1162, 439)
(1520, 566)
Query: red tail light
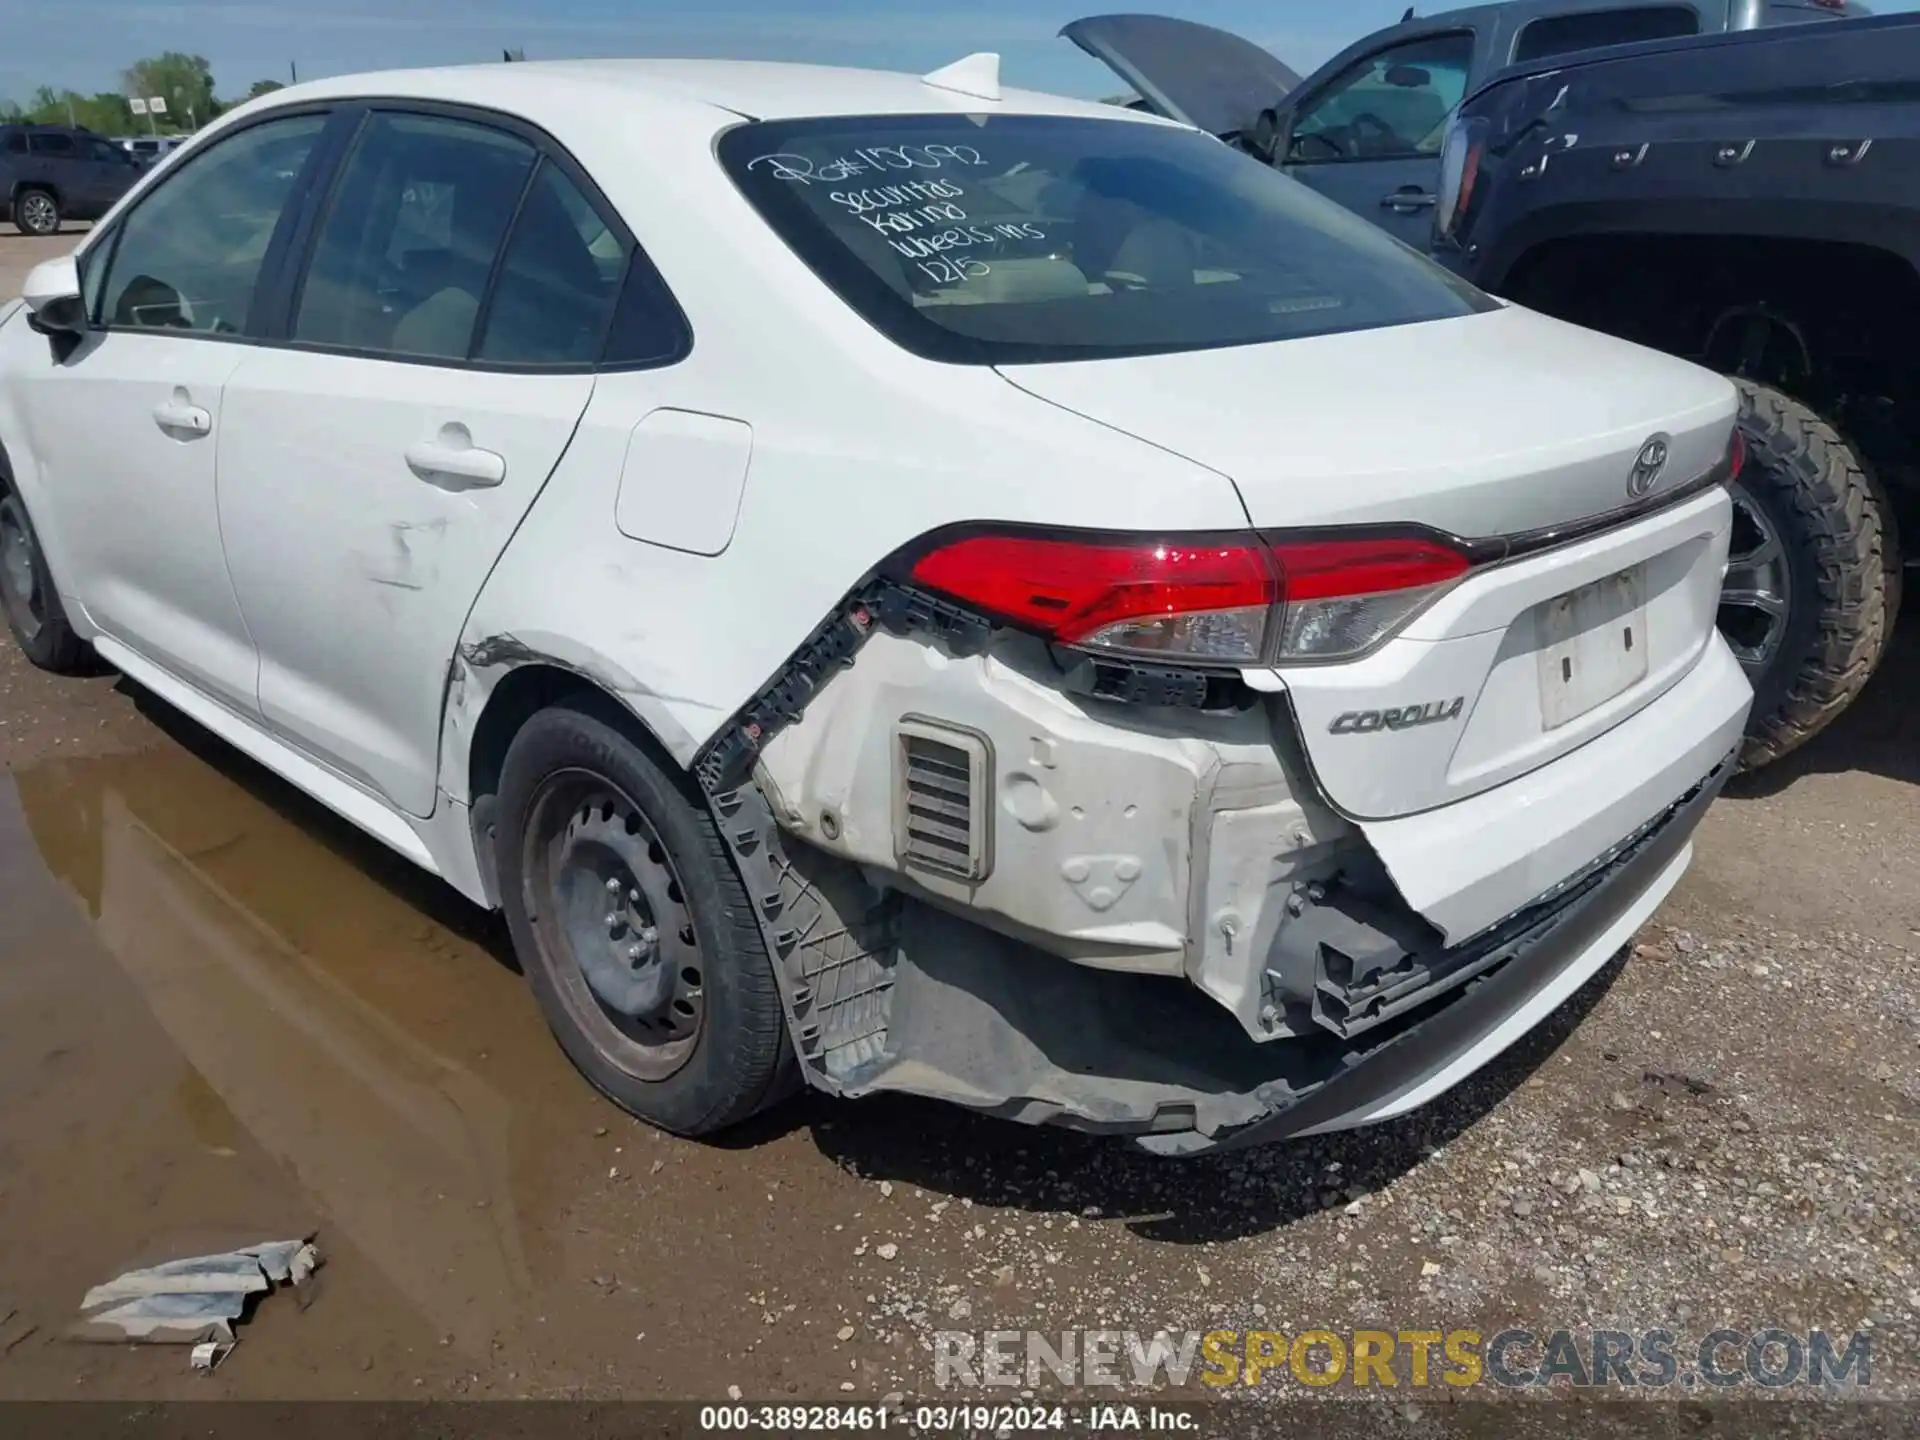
(1198, 599)
(1736, 455)
(1344, 596)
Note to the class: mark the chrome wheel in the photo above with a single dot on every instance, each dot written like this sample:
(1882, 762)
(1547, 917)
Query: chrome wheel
(1757, 597)
(609, 908)
(38, 214)
(20, 571)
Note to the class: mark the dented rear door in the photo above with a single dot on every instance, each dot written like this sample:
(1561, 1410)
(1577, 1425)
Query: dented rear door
(355, 561)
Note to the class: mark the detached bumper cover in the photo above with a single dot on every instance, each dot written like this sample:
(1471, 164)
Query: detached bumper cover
(990, 1024)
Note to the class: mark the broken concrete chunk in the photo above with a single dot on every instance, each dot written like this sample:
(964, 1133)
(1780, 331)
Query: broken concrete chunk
(192, 1301)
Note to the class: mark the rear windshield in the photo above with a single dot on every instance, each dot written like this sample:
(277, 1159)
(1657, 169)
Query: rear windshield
(1007, 239)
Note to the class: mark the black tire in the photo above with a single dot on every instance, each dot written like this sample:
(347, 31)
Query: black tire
(36, 211)
(551, 834)
(1840, 566)
(31, 600)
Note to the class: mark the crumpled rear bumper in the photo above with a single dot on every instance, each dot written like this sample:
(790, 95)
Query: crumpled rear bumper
(985, 1022)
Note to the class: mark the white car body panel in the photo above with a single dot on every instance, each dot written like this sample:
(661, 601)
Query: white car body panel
(642, 617)
(683, 480)
(1480, 642)
(139, 525)
(335, 540)
(1485, 425)
(1471, 865)
(674, 535)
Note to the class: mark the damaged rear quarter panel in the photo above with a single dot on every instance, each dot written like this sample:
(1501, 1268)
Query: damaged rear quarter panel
(1122, 838)
(855, 454)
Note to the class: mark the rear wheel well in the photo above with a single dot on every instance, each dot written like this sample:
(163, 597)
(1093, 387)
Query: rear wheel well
(516, 699)
(1827, 322)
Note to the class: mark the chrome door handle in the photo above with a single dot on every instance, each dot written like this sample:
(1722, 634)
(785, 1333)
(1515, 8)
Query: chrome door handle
(1409, 200)
(453, 455)
(179, 413)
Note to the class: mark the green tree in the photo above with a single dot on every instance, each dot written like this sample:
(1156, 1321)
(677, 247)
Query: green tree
(184, 81)
(263, 87)
(106, 112)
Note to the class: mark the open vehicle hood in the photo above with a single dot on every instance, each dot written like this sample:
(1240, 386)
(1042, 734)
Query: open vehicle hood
(1207, 78)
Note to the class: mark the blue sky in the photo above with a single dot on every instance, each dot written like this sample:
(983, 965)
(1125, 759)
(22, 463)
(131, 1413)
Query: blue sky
(84, 44)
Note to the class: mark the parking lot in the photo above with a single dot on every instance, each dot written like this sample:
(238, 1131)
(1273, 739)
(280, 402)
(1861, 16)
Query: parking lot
(225, 1015)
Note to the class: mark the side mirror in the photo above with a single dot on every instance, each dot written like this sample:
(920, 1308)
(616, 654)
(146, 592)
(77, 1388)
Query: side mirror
(1265, 139)
(52, 293)
(1408, 77)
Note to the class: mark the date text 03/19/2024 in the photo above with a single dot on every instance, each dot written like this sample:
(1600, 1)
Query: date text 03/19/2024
(955, 1419)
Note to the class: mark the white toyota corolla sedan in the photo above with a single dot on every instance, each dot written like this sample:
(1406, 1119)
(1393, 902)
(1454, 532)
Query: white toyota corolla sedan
(894, 583)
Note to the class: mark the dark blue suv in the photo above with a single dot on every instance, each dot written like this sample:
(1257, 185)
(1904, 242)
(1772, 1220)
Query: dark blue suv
(51, 173)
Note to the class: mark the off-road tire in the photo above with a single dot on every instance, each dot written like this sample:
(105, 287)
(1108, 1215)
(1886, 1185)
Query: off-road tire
(48, 640)
(36, 211)
(1844, 563)
(743, 1060)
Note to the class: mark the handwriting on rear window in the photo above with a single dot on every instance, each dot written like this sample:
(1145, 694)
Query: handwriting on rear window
(923, 219)
(805, 170)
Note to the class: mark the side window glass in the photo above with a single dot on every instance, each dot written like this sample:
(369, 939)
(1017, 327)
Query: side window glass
(189, 254)
(1565, 34)
(417, 217)
(1390, 106)
(648, 325)
(15, 143)
(93, 275)
(101, 150)
(558, 281)
(59, 146)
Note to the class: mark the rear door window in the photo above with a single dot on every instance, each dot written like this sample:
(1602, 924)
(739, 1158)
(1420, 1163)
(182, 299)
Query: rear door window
(56, 146)
(1002, 239)
(417, 219)
(557, 281)
(1595, 29)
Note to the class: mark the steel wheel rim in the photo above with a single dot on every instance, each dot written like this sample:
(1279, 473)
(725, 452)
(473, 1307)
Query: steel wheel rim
(1756, 599)
(609, 909)
(19, 571)
(38, 211)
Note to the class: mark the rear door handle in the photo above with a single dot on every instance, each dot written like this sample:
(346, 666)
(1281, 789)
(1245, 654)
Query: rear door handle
(452, 455)
(1410, 199)
(178, 415)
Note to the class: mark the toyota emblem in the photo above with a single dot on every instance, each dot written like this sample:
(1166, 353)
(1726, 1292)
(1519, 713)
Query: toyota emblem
(1648, 466)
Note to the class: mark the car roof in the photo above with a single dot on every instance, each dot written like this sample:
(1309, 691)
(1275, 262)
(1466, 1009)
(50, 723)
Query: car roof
(754, 89)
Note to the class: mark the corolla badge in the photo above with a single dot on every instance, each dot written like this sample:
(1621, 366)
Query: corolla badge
(1408, 717)
(1648, 466)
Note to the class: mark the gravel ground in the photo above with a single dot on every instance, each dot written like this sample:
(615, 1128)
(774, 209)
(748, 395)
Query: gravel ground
(220, 1009)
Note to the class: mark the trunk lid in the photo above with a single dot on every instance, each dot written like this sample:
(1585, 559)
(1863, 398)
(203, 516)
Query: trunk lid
(1200, 76)
(1496, 425)
(1483, 425)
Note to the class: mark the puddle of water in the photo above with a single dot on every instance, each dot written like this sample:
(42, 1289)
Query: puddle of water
(227, 1017)
(254, 1030)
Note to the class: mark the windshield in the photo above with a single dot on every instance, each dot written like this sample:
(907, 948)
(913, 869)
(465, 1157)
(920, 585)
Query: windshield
(1024, 238)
